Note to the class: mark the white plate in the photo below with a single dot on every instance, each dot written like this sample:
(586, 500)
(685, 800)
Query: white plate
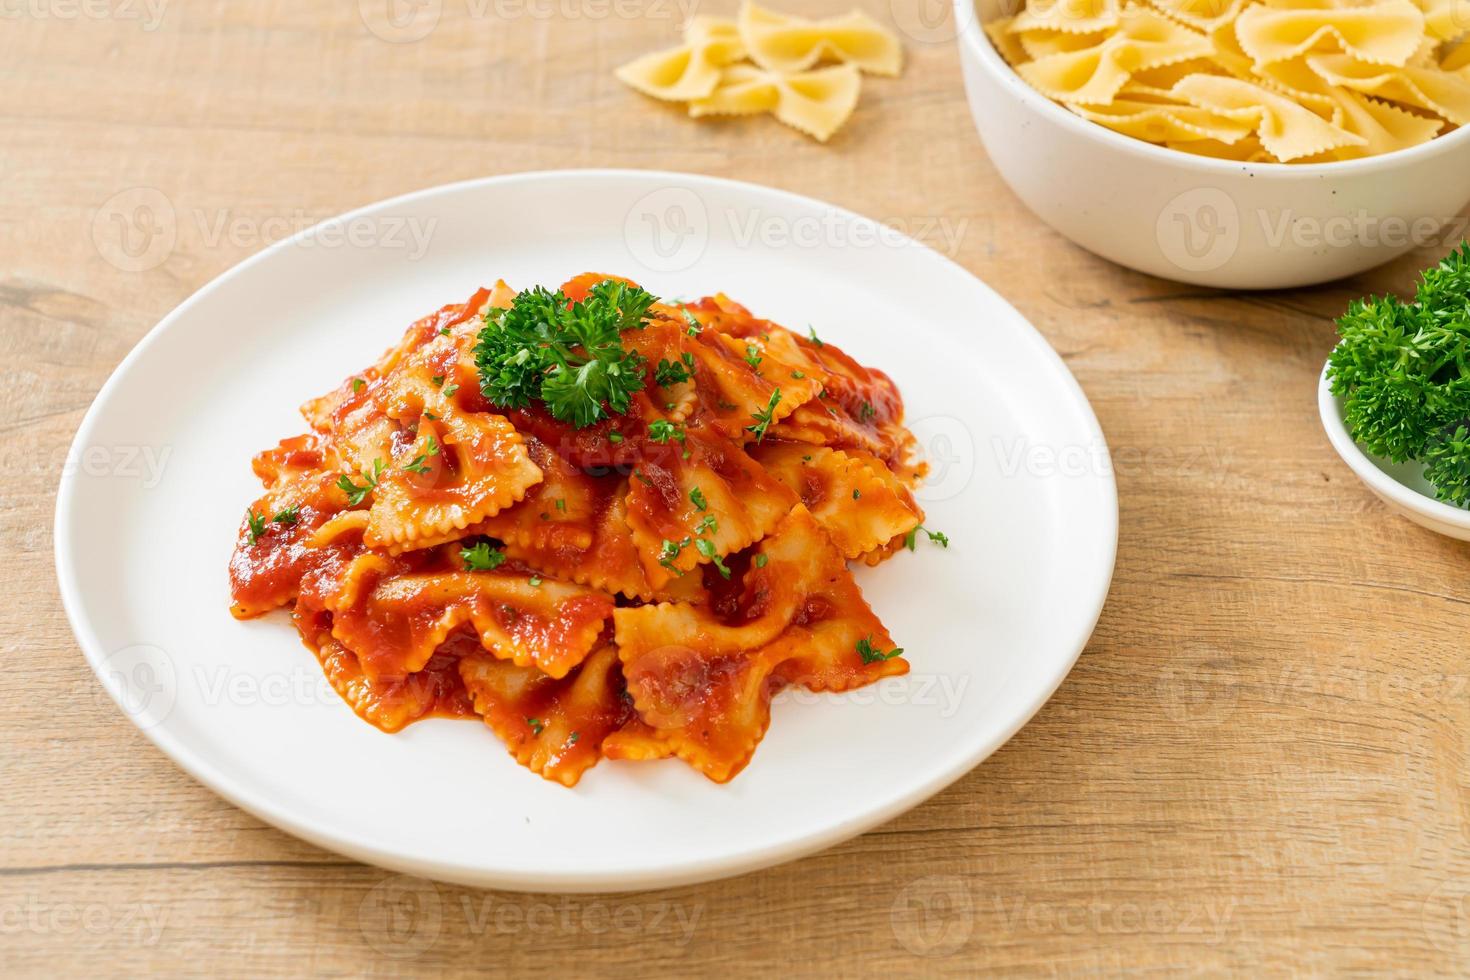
(148, 508)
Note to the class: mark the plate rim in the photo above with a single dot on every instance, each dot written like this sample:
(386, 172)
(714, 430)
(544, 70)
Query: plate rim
(218, 780)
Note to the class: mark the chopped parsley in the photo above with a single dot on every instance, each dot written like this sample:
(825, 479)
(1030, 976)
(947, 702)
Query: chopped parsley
(450, 389)
(438, 380)
(674, 372)
(357, 385)
(856, 494)
(662, 430)
(764, 418)
(537, 725)
(573, 738)
(288, 515)
(257, 524)
(797, 375)
(694, 327)
(696, 497)
(534, 581)
(356, 494)
(669, 553)
(567, 355)
(866, 412)
(561, 504)
(433, 447)
(872, 654)
(708, 525)
(481, 558)
(811, 332)
(937, 537)
(706, 548)
(614, 437)
(761, 560)
(753, 357)
(417, 466)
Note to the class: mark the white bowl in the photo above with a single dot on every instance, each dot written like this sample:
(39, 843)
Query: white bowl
(1400, 485)
(1199, 220)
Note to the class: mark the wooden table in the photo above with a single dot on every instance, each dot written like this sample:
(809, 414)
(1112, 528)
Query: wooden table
(1259, 764)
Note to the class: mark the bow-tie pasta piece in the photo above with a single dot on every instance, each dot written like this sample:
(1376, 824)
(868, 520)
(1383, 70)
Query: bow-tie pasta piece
(1287, 130)
(1385, 127)
(1072, 16)
(1165, 123)
(691, 70)
(1458, 60)
(1384, 34)
(815, 102)
(1002, 34)
(1446, 20)
(554, 727)
(1093, 76)
(1202, 15)
(1444, 93)
(785, 43)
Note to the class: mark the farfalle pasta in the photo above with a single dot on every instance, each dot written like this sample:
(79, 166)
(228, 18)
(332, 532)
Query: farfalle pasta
(629, 568)
(1284, 81)
(806, 73)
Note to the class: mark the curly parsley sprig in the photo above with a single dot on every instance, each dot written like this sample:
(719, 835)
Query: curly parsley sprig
(567, 355)
(1402, 370)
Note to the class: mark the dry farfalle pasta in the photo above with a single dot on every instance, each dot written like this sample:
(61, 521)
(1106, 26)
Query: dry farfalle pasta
(806, 73)
(1309, 81)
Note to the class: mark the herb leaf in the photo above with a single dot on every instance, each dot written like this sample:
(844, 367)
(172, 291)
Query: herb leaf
(568, 355)
(764, 418)
(482, 557)
(872, 654)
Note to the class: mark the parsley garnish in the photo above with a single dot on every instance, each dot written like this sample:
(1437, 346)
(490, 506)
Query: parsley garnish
(417, 466)
(856, 494)
(694, 328)
(707, 525)
(696, 497)
(674, 372)
(288, 515)
(706, 548)
(438, 380)
(669, 552)
(534, 581)
(433, 447)
(753, 357)
(761, 560)
(573, 738)
(614, 437)
(1402, 370)
(356, 494)
(444, 332)
(811, 332)
(871, 654)
(357, 385)
(561, 504)
(763, 419)
(481, 558)
(257, 524)
(537, 725)
(797, 375)
(661, 430)
(450, 389)
(867, 411)
(937, 537)
(568, 355)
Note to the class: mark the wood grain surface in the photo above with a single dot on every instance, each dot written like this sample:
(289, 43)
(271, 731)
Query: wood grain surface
(1259, 765)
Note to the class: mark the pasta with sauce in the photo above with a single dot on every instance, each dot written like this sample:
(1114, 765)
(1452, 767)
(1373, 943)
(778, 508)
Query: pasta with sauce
(631, 570)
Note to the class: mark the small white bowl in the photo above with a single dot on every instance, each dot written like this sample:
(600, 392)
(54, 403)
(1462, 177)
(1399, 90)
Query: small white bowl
(1199, 220)
(1400, 485)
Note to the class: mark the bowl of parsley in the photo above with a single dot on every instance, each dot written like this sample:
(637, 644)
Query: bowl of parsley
(1395, 397)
